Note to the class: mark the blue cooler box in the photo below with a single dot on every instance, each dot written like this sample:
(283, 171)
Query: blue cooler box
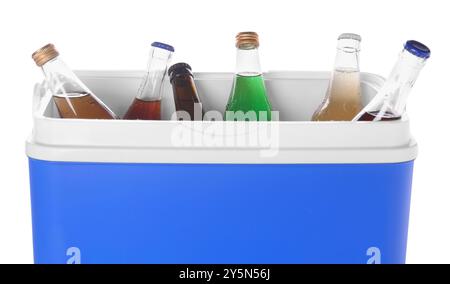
(293, 191)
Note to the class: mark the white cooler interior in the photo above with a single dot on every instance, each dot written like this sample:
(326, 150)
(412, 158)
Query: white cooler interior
(296, 95)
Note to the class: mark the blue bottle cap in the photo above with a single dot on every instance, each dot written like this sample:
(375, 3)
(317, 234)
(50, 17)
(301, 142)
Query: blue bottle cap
(418, 49)
(163, 46)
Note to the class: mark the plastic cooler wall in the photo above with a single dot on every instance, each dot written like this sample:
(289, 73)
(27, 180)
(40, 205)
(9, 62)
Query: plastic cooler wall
(219, 213)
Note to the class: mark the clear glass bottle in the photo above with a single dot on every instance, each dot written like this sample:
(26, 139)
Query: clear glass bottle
(147, 104)
(248, 99)
(390, 101)
(343, 99)
(72, 98)
(185, 93)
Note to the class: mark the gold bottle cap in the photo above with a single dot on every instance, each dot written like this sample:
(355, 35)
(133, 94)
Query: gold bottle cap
(247, 40)
(45, 54)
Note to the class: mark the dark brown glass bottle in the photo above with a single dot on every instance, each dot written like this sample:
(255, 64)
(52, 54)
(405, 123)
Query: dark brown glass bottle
(185, 93)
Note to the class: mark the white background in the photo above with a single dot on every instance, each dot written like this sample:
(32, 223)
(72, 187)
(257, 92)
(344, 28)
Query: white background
(294, 35)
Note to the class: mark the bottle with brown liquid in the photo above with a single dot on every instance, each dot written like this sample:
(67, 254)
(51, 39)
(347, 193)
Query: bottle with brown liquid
(147, 104)
(72, 98)
(187, 102)
(343, 99)
(390, 101)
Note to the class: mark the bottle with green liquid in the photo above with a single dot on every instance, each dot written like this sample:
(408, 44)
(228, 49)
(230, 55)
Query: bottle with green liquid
(248, 100)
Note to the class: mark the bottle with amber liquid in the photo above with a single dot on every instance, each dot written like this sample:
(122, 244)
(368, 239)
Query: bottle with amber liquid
(343, 99)
(72, 98)
(248, 100)
(147, 104)
(187, 102)
(390, 101)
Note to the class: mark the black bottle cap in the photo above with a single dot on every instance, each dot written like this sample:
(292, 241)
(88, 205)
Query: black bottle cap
(179, 68)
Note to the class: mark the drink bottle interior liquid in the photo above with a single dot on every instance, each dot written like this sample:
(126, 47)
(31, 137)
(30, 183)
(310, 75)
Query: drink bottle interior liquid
(248, 99)
(144, 109)
(147, 104)
(185, 93)
(343, 99)
(72, 98)
(390, 101)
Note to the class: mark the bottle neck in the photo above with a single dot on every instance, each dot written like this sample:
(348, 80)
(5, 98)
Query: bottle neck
(347, 56)
(181, 75)
(395, 91)
(247, 62)
(344, 86)
(61, 80)
(152, 84)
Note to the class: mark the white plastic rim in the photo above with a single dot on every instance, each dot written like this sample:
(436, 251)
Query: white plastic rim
(283, 142)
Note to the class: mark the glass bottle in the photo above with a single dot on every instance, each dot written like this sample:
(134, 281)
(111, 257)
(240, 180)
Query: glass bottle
(72, 98)
(248, 100)
(147, 104)
(185, 93)
(390, 101)
(343, 99)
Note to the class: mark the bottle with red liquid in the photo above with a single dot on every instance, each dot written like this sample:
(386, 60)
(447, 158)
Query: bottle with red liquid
(390, 102)
(147, 104)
